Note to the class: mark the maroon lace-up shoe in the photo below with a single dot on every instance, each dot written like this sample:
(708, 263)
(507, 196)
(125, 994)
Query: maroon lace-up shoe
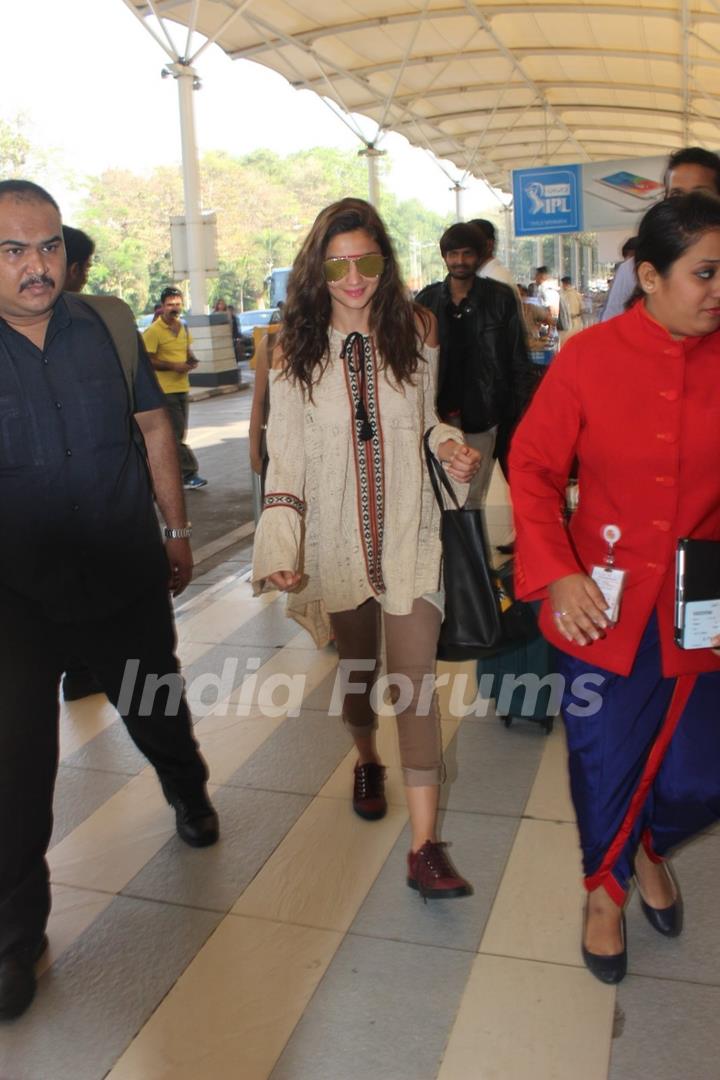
(369, 800)
(431, 872)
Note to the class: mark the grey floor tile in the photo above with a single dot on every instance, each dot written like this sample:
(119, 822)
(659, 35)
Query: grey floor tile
(91, 1003)
(78, 793)
(112, 750)
(252, 824)
(384, 1009)
(491, 768)
(299, 756)
(218, 672)
(695, 955)
(189, 593)
(480, 845)
(665, 1030)
(213, 576)
(319, 700)
(270, 628)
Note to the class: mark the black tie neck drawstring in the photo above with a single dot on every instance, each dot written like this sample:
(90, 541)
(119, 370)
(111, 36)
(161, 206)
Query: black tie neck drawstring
(353, 351)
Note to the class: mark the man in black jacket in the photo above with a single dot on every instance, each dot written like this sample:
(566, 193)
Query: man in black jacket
(485, 377)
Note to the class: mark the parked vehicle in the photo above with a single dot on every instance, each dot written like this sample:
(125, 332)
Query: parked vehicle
(248, 320)
(276, 284)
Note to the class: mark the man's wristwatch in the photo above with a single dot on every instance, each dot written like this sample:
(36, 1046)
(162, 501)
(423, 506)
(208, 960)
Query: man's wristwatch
(178, 534)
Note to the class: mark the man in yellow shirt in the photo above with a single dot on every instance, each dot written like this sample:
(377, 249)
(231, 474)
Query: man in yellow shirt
(167, 341)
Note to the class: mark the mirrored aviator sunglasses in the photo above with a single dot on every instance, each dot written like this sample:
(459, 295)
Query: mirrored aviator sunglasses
(369, 266)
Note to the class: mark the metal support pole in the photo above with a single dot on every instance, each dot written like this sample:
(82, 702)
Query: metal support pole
(372, 154)
(508, 248)
(558, 256)
(458, 189)
(188, 81)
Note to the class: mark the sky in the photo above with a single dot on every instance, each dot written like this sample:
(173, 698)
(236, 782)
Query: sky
(85, 75)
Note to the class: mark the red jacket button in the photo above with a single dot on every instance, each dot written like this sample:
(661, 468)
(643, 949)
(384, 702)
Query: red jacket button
(663, 526)
(669, 395)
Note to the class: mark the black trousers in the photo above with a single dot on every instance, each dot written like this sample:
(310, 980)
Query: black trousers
(33, 654)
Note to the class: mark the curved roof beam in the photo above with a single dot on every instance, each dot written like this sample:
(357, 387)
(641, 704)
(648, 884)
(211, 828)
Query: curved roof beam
(364, 72)
(559, 87)
(309, 37)
(461, 114)
(511, 149)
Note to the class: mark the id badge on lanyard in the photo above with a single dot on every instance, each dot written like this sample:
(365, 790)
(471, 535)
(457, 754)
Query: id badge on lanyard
(609, 578)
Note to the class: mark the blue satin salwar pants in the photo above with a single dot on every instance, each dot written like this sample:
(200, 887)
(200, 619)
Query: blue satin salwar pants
(613, 752)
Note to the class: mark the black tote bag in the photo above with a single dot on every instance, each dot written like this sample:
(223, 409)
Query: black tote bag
(481, 618)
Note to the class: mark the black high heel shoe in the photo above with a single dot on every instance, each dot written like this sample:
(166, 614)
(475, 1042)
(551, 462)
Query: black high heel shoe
(668, 921)
(608, 969)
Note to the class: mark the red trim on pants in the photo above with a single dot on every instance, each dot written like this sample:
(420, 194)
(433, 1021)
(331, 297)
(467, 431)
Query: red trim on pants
(684, 686)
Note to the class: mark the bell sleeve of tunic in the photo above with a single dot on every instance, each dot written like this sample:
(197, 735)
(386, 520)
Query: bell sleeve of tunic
(279, 535)
(440, 432)
(541, 455)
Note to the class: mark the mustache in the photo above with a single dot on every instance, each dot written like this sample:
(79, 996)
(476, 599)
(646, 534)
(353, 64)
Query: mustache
(38, 279)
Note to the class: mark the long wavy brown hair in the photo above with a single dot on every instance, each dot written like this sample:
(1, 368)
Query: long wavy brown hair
(306, 315)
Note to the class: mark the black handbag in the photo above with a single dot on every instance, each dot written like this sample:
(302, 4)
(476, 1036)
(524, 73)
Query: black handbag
(481, 616)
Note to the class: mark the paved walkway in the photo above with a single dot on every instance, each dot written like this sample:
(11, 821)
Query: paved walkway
(293, 950)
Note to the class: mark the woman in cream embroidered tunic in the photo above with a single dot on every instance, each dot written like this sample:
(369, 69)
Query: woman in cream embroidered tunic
(350, 526)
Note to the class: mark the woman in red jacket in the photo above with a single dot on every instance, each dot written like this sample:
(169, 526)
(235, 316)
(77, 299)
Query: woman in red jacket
(637, 400)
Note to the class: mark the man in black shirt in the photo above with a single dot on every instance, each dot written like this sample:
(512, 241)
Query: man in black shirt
(83, 570)
(484, 377)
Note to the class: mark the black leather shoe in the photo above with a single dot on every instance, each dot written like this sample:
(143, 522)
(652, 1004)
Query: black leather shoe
(668, 920)
(17, 978)
(608, 969)
(195, 818)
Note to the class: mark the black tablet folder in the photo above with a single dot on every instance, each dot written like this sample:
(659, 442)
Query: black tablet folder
(697, 593)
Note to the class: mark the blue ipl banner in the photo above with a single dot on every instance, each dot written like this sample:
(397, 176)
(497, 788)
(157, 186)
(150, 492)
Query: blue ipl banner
(547, 200)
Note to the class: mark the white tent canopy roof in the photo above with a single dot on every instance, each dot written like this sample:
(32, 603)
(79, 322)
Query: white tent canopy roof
(493, 88)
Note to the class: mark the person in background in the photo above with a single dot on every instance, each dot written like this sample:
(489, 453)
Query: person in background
(546, 292)
(632, 399)
(571, 306)
(259, 419)
(222, 307)
(78, 681)
(350, 528)
(168, 341)
(79, 249)
(623, 283)
(690, 169)
(491, 266)
(485, 377)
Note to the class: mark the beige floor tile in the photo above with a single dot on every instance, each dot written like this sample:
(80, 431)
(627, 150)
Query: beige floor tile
(217, 621)
(116, 841)
(339, 785)
(81, 721)
(190, 651)
(309, 666)
(228, 737)
(550, 794)
(521, 1020)
(537, 914)
(321, 872)
(73, 910)
(231, 1013)
(226, 742)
